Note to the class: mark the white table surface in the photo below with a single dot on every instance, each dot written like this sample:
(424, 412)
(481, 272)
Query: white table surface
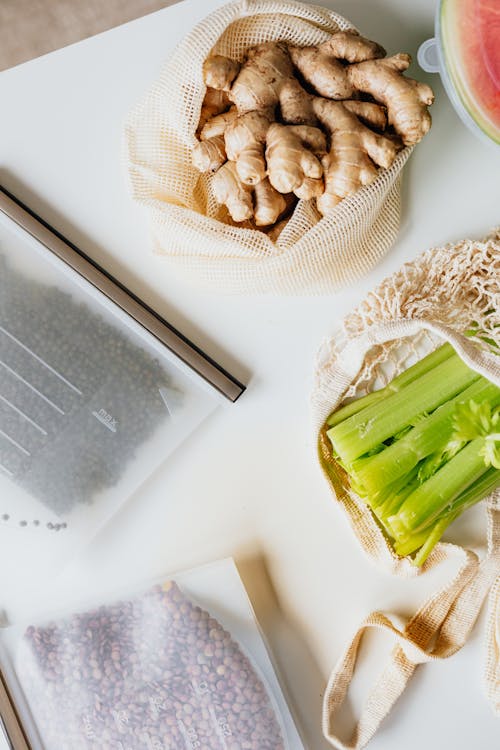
(248, 484)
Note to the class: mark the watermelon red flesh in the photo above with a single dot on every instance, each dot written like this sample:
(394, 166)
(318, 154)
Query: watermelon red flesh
(489, 18)
(479, 34)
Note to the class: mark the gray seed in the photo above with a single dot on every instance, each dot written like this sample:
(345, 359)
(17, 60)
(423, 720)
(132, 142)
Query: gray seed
(119, 380)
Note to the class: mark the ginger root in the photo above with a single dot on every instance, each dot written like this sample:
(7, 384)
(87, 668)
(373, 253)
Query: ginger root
(262, 202)
(218, 124)
(406, 100)
(355, 153)
(219, 72)
(210, 154)
(289, 160)
(245, 138)
(258, 84)
(327, 76)
(311, 187)
(292, 122)
(352, 47)
(369, 112)
(213, 104)
(322, 68)
(232, 192)
(269, 204)
(296, 104)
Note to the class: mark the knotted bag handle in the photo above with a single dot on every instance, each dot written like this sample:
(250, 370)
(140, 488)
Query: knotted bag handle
(444, 621)
(492, 667)
(441, 627)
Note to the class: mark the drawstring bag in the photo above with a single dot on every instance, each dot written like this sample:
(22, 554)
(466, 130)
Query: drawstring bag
(427, 302)
(313, 253)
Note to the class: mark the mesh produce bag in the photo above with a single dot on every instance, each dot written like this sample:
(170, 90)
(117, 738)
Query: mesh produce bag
(313, 253)
(434, 299)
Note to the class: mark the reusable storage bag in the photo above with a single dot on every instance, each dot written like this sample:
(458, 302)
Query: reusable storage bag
(90, 405)
(313, 253)
(180, 664)
(429, 301)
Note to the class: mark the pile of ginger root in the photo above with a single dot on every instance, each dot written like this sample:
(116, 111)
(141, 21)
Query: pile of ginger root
(293, 122)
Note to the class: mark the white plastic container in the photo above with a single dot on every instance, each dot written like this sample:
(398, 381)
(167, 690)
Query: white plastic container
(465, 51)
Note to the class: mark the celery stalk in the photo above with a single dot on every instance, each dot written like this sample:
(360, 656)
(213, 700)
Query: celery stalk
(481, 488)
(388, 492)
(435, 535)
(427, 539)
(434, 495)
(421, 450)
(394, 501)
(364, 431)
(409, 545)
(430, 435)
(477, 492)
(408, 376)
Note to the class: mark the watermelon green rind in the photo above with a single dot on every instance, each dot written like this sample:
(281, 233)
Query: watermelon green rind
(450, 23)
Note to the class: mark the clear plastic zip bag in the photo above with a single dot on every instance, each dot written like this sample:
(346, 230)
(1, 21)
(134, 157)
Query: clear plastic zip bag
(151, 670)
(90, 403)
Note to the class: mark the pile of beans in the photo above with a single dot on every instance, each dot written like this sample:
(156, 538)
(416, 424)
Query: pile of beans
(152, 673)
(89, 396)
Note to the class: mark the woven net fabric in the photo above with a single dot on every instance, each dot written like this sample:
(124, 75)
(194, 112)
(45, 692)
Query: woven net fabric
(443, 293)
(456, 286)
(313, 254)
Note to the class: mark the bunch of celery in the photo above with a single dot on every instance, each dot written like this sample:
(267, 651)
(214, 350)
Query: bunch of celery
(421, 450)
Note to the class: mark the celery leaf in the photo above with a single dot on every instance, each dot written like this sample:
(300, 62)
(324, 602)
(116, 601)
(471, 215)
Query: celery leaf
(472, 420)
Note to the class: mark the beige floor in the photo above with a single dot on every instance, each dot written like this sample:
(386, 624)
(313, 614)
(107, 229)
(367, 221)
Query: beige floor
(29, 28)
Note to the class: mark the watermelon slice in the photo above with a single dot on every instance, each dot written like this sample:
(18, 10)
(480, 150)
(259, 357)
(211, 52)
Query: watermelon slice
(471, 43)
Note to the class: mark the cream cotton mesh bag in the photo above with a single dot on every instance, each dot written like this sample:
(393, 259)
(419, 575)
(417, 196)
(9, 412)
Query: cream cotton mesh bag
(432, 300)
(312, 254)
